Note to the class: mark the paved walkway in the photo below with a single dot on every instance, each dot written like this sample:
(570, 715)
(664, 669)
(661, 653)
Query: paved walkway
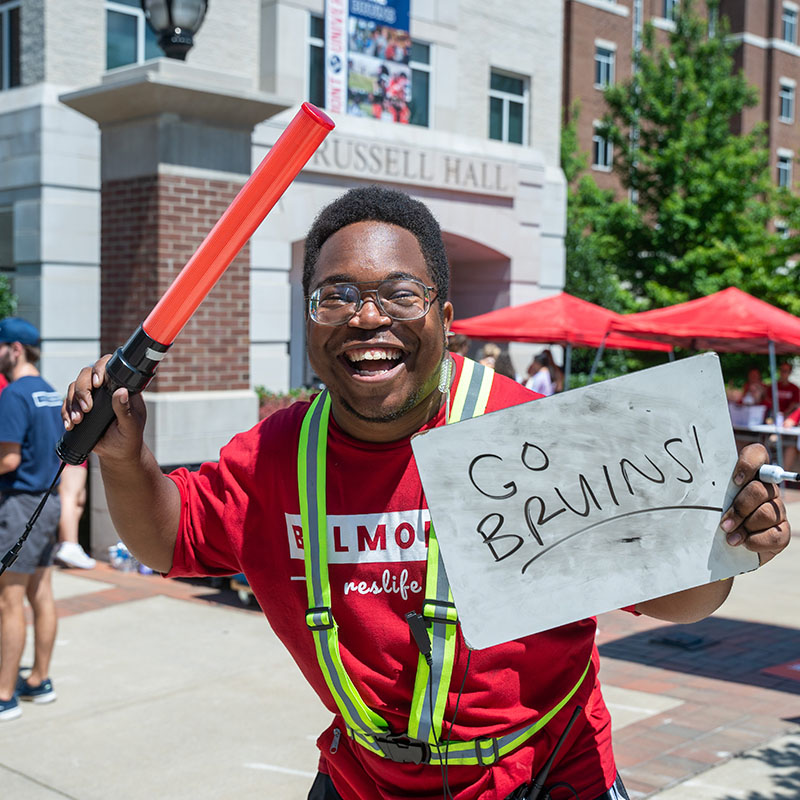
(173, 689)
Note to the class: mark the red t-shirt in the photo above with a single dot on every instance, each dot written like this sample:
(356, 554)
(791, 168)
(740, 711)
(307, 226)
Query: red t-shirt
(788, 395)
(243, 515)
(3, 383)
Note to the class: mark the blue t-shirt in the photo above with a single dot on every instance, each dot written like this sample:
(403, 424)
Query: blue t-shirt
(30, 416)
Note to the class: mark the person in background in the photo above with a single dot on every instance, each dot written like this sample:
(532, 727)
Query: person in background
(488, 354)
(791, 462)
(72, 491)
(755, 392)
(556, 373)
(494, 357)
(539, 377)
(3, 383)
(30, 426)
(504, 366)
(458, 343)
(788, 392)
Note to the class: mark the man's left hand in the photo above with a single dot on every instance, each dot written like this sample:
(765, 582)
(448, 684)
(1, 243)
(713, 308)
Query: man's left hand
(757, 517)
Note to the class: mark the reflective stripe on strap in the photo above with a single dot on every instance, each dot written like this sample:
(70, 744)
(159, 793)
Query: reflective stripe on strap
(484, 752)
(311, 464)
(471, 396)
(364, 725)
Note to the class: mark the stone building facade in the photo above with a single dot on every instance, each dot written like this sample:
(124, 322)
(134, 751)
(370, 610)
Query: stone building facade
(114, 165)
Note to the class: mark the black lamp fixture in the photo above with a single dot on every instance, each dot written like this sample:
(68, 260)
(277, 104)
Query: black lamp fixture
(175, 22)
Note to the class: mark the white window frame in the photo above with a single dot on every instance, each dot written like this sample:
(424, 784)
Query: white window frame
(141, 26)
(786, 95)
(314, 41)
(784, 165)
(604, 147)
(789, 23)
(607, 60)
(5, 13)
(782, 228)
(421, 66)
(508, 97)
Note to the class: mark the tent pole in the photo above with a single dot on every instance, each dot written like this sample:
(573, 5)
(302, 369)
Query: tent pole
(772, 371)
(597, 356)
(567, 365)
(671, 355)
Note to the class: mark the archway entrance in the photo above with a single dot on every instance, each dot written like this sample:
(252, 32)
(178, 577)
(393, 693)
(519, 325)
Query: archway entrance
(479, 276)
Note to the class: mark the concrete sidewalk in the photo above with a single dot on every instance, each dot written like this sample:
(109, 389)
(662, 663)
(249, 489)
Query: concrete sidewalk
(173, 689)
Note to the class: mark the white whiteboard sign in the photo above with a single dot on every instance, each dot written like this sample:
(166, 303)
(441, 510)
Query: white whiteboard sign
(584, 502)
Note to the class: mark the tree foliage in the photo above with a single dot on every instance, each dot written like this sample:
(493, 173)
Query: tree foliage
(700, 199)
(8, 302)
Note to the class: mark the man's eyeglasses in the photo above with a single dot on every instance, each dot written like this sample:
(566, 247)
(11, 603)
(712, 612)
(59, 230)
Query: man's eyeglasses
(399, 298)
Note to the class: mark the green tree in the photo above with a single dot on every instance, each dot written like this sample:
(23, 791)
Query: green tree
(591, 252)
(701, 194)
(8, 302)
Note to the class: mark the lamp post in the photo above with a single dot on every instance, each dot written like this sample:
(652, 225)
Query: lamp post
(175, 22)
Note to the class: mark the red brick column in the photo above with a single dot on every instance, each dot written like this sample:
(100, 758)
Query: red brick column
(151, 226)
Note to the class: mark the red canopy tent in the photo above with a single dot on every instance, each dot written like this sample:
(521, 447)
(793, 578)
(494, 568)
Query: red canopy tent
(730, 321)
(559, 319)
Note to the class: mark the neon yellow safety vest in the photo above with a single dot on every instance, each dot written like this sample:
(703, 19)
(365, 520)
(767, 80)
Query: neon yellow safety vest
(422, 742)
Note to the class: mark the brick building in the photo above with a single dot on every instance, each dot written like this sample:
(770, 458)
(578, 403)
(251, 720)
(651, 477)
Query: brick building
(600, 37)
(115, 162)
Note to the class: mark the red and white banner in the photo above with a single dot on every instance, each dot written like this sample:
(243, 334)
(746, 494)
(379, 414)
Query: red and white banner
(336, 32)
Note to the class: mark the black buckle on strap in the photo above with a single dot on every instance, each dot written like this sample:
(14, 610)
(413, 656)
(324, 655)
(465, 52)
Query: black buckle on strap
(489, 760)
(319, 618)
(403, 749)
(440, 611)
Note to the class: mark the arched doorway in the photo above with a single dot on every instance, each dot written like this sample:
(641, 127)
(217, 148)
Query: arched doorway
(479, 276)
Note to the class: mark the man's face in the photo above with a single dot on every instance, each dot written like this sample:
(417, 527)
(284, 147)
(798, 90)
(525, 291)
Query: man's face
(379, 371)
(785, 371)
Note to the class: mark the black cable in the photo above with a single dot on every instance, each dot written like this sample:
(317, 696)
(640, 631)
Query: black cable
(560, 785)
(453, 721)
(11, 556)
(446, 793)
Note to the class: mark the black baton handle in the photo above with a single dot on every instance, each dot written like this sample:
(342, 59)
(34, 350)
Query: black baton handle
(132, 367)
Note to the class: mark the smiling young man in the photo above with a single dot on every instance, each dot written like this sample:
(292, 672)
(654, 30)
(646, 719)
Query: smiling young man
(321, 507)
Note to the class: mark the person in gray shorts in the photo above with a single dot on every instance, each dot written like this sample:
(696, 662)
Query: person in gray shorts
(30, 426)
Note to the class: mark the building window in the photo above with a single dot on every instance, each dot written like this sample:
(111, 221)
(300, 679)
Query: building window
(604, 58)
(6, 238)
(602, 152)
(786, 101)
(782, 228)
(789, 24)
(508, 107)
(316, 60)
(420, 63)
(671, 9)
(129, 39)
(9, 44)
(784, 170)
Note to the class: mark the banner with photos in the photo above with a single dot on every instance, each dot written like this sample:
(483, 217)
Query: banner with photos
(378, 75)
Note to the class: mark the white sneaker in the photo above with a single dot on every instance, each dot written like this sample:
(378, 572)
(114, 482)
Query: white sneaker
(71, 554)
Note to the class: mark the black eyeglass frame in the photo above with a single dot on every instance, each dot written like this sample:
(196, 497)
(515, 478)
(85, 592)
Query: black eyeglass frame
(429, 297)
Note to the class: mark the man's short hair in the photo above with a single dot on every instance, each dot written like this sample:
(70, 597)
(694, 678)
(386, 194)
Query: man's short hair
(32, 354)
(379, 204)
